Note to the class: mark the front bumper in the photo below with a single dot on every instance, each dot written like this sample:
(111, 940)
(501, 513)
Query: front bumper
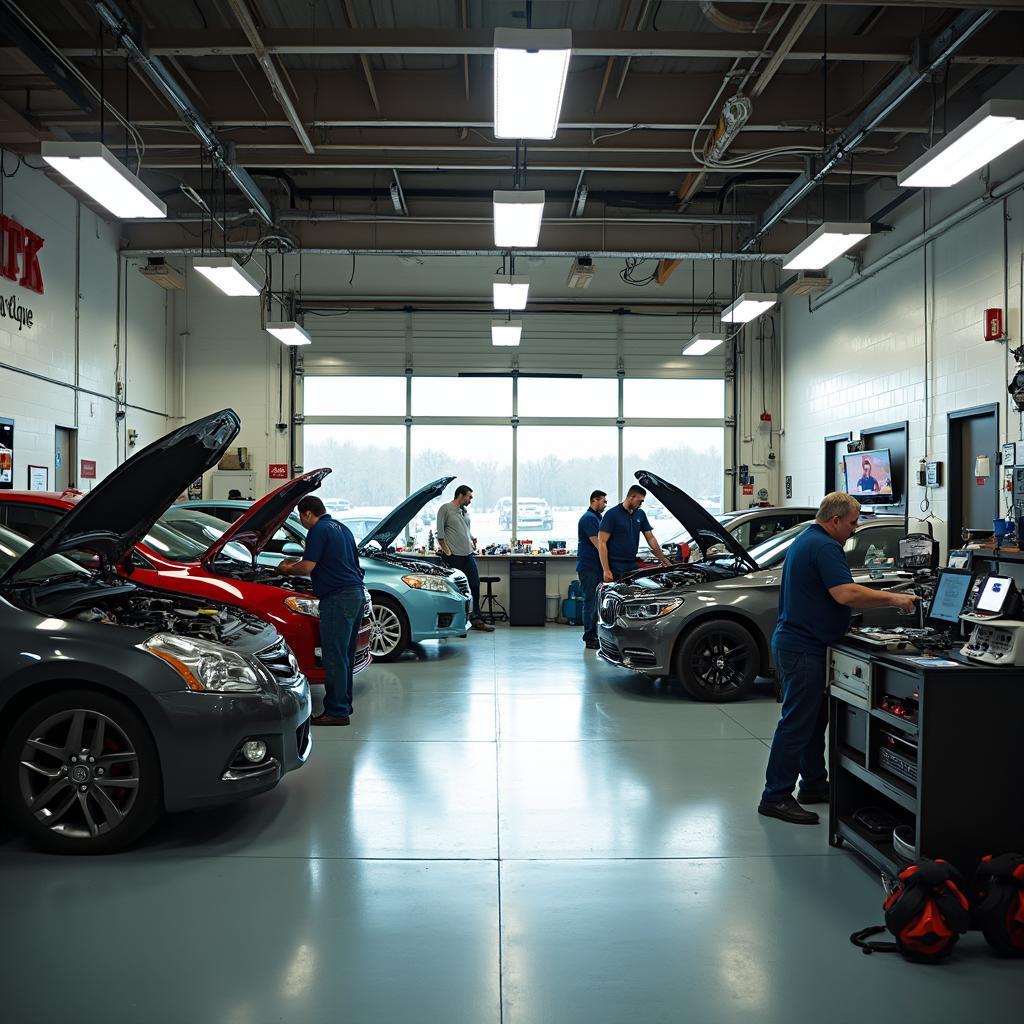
(204, 731)
(643, 647)
(434, 615)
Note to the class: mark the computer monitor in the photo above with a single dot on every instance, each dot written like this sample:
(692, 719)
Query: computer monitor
(869, 477)
(960, 559)
(996, 596)
(951, 591)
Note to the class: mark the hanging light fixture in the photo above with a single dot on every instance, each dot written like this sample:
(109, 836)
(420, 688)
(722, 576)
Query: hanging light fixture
(288, 332)
(749, 306)
(227, 274)
(94, 170)
(510, 292)
(506, 332)
(994, 128)
(530, 69)
(517, 218)
(823, 245)
(703, 343)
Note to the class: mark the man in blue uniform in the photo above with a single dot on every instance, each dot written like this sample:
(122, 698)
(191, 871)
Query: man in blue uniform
(588, 564)
(332, 562)
(619, 537)
(814, 611)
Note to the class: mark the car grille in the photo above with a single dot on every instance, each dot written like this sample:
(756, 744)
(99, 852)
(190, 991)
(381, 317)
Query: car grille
(610, 606)
(609, 650)
(281, 663)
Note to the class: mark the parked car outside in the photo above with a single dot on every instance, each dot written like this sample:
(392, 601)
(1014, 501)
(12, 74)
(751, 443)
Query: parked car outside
(750, 526)
(119, 701)
(709, 623)
(225, 570)
(531, 514)
(414, 599)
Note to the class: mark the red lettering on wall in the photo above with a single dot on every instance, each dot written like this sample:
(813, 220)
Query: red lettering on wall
(17, 241)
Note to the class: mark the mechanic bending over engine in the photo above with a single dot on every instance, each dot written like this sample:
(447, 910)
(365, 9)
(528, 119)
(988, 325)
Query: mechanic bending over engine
(814, 611)
(619, 537)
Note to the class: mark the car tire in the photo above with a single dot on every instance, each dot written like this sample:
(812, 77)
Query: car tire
(718, 661)
(389, 629)
(96, 815)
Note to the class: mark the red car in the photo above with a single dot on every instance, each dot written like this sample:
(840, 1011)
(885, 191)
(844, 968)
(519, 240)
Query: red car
(168, 560)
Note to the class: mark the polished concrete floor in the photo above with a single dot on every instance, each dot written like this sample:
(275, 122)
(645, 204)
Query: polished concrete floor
(510, 831)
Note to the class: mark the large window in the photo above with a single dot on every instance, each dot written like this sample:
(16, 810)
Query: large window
(354, 396)
(368, 464)
(560, 397)
(462, 396)
(673, 398)
(689, 457)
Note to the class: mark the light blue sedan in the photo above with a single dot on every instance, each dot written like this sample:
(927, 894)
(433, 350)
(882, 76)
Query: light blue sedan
(413, 599)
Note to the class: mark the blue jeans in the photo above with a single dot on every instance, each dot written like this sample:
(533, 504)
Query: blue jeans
(798, 747)
(341, 615)
(589, 580)
(467, 563)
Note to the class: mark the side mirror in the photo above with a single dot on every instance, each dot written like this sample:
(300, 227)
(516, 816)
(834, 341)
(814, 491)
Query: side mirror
(293, 549)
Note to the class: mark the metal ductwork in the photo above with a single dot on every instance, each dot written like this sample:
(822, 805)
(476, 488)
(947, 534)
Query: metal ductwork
(155, 70)
(735, 22)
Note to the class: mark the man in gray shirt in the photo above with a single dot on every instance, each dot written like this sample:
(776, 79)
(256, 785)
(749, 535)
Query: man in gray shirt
(458, 545)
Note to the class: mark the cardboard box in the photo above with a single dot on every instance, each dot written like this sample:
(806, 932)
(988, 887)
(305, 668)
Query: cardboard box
(237, 459)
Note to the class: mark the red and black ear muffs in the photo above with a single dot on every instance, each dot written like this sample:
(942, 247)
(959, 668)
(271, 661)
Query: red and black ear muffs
(999, 911)
(926, 913)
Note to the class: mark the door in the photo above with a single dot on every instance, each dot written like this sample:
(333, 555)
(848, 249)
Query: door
(972, 505)
(63, 458)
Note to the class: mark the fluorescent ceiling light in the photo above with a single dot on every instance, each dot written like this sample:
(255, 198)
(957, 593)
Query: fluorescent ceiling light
(91, 167)
(517, 217)
(506, 332)
(227, 275)
(702, 344)
(824, 245)
(749, 306)
(510, 292)
(290, 333)
(530, 68)
(993, 129)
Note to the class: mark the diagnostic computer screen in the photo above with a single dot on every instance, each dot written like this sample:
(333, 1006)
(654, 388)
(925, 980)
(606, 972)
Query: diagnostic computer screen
(993, 594)
(950, 594)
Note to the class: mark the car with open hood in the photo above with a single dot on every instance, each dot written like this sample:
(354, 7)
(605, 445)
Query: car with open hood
(225, 570)
(119, 700)
(708, 623)
(414, 599)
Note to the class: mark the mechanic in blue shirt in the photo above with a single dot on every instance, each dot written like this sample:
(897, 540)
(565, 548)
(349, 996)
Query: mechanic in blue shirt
(814, 611)
(588, 564)
(332, 562)
(619, 537)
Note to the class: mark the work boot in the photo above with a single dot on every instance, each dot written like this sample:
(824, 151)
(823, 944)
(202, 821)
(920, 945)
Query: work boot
(787, 810)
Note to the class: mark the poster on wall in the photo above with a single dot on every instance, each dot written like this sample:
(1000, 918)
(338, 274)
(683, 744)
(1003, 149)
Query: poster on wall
(38, 478)
(6, 453)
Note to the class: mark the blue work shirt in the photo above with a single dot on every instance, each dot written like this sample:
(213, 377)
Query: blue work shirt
(331, 545)
(587, 558)
(809, 617)
(624, 531)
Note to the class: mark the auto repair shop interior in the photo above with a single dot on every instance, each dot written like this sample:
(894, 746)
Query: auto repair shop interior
(739, 254)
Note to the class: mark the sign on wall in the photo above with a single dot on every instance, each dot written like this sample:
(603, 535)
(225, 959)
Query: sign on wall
(6, 453)
(88, 469)
(279, 471)
(19, 262)
(38, 478)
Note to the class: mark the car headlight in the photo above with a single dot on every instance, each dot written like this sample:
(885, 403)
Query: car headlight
(651, 609)
(426, 583)
(204, 666)
(303, 605)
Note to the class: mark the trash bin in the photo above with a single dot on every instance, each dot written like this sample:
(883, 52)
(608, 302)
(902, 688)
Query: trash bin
(552, 601)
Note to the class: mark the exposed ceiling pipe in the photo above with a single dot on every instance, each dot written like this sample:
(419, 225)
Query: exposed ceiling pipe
(901, 85)
(789, 40)
(157, 73)
(700, 255)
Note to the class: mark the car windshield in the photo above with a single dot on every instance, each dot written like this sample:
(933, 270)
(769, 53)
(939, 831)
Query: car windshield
(770, 553)
(13, 546)
(184, 535)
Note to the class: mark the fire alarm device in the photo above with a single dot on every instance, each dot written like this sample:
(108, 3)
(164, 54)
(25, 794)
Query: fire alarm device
(994, 325)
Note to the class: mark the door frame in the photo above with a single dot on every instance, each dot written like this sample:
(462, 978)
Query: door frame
(830, 481)
(72, 454)
(953, 494)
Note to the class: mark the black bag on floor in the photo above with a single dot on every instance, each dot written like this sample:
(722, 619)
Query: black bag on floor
(927, 913)
(999, 910)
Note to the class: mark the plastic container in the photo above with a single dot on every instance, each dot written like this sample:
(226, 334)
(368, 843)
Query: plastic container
(552, 603)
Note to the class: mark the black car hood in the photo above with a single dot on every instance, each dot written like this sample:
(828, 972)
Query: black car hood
(703, 528)
(385, 532)
(113, 517)
(254, 528)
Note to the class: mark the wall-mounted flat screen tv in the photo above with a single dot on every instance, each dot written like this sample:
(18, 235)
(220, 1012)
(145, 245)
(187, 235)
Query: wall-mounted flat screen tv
(869, 477)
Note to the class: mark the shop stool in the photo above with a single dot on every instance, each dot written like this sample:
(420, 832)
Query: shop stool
(489, 603)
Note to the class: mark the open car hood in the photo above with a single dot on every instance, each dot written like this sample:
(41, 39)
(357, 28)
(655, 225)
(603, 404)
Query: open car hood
(703, 528)
(385, 532)
(113, 517)
(262, 519)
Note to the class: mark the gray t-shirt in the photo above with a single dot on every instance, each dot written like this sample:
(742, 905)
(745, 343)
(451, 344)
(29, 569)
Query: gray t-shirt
(453, 527)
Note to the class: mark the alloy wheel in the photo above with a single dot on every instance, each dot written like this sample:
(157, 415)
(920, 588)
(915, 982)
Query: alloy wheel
(79, 773)
(721, 662)
(385, 630)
